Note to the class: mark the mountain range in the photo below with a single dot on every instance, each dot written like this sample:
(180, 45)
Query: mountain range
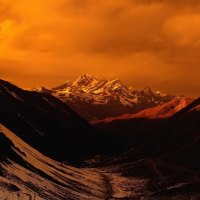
(48, 152)
(97, 98)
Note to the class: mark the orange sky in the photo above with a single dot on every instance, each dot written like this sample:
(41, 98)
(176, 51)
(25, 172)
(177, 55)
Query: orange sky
(141, 42)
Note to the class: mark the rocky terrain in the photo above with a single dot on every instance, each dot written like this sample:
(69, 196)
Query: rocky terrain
(97, 98)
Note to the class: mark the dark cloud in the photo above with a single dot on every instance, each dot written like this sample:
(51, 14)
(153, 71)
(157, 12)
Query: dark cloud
(6, 12)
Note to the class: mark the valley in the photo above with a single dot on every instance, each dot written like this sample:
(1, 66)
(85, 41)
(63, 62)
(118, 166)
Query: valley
(48, 152)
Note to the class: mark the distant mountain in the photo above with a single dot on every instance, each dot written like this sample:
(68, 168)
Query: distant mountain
(165, 110)
(97, 98)
(42, 90)
(47, 124)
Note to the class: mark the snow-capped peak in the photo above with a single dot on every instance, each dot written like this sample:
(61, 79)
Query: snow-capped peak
(113, 85)
(88, 90)
(63, 86)
(116, 82)
(160, 94)
(41, 89)
(147, 91)
(85, 80)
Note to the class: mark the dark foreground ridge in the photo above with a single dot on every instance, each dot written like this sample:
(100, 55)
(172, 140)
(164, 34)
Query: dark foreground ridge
(47, 124)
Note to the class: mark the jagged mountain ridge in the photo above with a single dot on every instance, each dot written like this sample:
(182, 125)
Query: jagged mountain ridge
(97, 98)
(165, 110)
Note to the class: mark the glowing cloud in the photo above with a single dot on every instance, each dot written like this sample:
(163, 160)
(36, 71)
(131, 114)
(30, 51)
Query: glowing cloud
(154, 42)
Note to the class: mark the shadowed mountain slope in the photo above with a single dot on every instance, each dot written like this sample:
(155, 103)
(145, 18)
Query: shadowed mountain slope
(47, 124)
